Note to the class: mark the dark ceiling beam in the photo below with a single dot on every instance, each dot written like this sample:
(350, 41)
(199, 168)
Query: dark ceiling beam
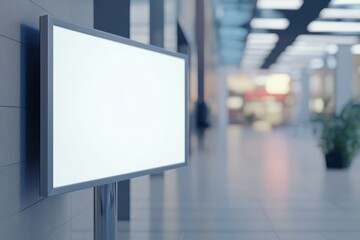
(299, 20)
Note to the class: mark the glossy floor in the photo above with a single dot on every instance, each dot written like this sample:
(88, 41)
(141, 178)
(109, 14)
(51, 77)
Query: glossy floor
(250, 186)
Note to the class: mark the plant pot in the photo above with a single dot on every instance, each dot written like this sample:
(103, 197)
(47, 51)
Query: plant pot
(337, 160)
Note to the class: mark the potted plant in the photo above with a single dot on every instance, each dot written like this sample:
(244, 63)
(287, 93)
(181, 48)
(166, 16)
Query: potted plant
(340, 136)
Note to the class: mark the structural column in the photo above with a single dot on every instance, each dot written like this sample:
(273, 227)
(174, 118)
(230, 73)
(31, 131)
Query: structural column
(304, 109)
(202, 109)
(113, 16)
(343, 77)
(157, 29)
(223, 112)
(157, 23)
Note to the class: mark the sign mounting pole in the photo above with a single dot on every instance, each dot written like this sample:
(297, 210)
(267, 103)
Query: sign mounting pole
(105, 212)
(114, 17)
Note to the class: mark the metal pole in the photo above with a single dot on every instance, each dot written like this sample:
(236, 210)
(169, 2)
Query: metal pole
(113, 16)
(105, 212)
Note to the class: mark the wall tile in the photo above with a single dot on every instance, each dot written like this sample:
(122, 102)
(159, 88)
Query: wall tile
(69, 10)
(10, 72)
(24, 214)
(10, 140)
(18, 13)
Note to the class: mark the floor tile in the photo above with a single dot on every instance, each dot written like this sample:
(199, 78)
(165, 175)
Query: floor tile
(201, 214)
(256, 236)
(300, 236)
(341, 235)
(196, 225)
(316, 225)
(210, 235)
(242, 184)
(308, 214)
(159, 236)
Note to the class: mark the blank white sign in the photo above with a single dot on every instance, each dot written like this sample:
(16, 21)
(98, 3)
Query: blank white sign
(117, 109)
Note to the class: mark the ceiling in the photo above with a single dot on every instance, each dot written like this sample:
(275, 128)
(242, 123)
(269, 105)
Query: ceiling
(239, 23)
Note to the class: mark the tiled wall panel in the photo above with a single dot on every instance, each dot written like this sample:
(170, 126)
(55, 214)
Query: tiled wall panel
(24, 214)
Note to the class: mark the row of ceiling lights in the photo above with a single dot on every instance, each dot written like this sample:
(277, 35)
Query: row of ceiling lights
(309, 48)
(315, 26)
(258, 47)
(292, 52)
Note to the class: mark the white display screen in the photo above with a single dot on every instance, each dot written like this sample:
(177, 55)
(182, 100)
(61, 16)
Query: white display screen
(117, 109)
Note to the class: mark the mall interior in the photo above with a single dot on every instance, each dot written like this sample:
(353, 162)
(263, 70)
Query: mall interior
(274, 122)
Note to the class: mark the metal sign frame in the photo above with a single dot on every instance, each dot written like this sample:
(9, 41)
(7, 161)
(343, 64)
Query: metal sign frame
(47, 24)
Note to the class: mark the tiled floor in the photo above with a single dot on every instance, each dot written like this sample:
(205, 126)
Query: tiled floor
(248, 186)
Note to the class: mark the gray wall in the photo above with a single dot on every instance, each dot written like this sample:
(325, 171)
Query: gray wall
(23, 213)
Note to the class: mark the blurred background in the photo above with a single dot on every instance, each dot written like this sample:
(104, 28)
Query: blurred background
(274, 112)
(272, 63)
(263, 64)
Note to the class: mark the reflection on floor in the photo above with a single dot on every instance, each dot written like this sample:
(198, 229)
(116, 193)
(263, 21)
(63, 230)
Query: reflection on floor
(249, 186)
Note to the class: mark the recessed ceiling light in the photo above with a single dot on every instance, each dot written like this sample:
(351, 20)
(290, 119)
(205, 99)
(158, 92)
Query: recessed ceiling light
(261, 41)
(251, 63)
(333, 26)
(355, 49)
(260, 46)
(306, 48)
(246, 66)
(251, 58)
(280, 4)
(270, 23)
(257, 52)
(262, 38)
(309, 46)
(340, 13)
(332, 49)
(311, 38)
(296, 65)
(316, 63)
(344, 2)
(331, 62)
(302, 53)
(290, 58)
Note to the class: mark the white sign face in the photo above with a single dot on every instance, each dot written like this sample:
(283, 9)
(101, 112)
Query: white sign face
(117, 109)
